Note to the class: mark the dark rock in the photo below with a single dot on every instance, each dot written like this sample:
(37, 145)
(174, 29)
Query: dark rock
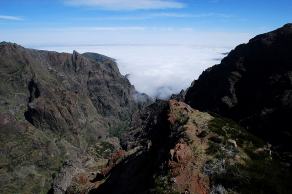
(66, 93)
(202, 134)
(216, 139)
(252, 85)
(179, 97)
(61, 104)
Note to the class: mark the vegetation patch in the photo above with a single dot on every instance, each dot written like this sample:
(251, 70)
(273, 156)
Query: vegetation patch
(258, 173)
(231, 130)
(119, 129)
(102, 150)
(162, 185)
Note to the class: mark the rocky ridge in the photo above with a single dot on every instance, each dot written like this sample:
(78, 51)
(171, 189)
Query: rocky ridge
(253, 86)
(55, 108)
(177, 149)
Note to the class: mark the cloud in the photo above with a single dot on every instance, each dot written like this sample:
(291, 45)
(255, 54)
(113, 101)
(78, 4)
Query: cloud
(158, 70)
(150, 16)
(160, 60)
(114, 28)
(199, 15)
(128, 4)
(171, 15)
(12, 18)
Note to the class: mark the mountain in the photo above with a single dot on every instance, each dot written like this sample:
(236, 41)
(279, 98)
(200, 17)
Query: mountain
(55, 108)
(253, 86)
(71, 123)
(238, 141)
(173, 148)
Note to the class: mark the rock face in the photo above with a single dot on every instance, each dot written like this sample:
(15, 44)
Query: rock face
(54, 106)
(252, 85)
(64, 92)
(59, 113)
(175, 149)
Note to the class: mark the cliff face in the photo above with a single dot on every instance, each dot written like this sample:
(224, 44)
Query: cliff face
(252, 85)
(59, 113)
(173, 148)
(54, 107)
(64, 92)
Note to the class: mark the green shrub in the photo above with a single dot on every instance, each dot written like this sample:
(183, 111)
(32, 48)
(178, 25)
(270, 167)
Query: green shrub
(119, 129)
(103, 150)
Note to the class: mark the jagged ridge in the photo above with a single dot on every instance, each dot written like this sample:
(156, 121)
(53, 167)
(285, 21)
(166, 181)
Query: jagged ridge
(56, 107)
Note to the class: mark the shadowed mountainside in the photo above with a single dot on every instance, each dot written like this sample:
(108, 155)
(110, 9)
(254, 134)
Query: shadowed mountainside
(174, 149)
(252, 85)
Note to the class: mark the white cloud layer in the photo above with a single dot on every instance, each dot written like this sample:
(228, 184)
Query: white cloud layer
(160, 61)
(8, 17)
(127, 4)
(158, 70)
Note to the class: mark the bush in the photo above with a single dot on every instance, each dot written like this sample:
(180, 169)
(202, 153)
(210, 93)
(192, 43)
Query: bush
(118, 130)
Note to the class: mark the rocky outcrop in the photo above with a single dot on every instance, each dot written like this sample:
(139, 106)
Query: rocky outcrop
(64, 92)
(252, 85)
(175, 149)
(61, 105)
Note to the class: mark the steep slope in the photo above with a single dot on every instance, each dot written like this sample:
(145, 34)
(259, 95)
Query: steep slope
(252, 85)
(58, 112)
(176, 149)
(54, 108)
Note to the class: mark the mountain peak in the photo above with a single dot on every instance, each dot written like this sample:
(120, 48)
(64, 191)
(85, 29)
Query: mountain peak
(9, 44)
(253, 83)
(288, 25)
(71, 95)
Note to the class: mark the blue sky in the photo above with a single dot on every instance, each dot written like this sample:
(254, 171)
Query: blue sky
(207, 14)
(164, 43)
(248, 16)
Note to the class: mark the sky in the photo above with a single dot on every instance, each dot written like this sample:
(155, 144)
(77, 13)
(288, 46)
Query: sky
(163, 44)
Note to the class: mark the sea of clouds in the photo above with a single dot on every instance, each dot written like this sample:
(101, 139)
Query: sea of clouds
(157, 70)
(159, 61)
